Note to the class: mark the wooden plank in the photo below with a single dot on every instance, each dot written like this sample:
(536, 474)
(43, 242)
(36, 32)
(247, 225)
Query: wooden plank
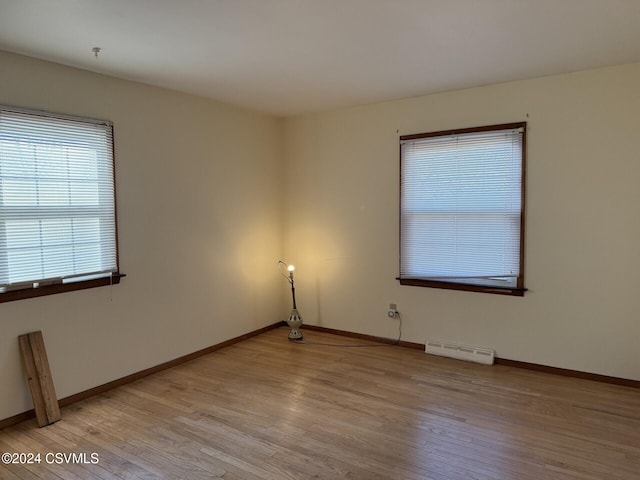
(32, 379)
(36, 364)
(44, 377)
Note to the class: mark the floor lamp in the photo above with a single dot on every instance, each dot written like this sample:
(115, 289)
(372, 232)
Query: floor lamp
(295, 319)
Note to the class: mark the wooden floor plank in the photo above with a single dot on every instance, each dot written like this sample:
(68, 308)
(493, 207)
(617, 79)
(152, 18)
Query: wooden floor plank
(266, 408)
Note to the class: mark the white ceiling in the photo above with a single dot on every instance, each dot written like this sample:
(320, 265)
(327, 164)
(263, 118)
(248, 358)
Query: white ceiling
(287, 57)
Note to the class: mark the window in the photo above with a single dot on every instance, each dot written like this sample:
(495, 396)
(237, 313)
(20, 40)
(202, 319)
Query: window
(57, 204)
(462, 209)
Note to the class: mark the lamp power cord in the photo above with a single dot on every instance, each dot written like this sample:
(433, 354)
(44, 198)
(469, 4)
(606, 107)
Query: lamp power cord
(359, 345)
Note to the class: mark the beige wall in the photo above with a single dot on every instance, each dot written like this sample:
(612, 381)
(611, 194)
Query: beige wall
(199, 217)
(583, 221)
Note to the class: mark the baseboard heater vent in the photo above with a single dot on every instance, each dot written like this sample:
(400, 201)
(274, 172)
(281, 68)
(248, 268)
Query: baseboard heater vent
(460, 352)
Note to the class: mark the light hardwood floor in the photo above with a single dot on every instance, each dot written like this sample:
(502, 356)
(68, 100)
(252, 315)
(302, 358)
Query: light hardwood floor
(268, 409)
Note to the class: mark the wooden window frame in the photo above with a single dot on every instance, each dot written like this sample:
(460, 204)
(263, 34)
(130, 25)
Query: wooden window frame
(81, 283)
(519, 290)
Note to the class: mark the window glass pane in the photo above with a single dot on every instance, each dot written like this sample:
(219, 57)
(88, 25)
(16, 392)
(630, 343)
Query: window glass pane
(17, 192)
(86, 230)
(17, 159)
(84, 193)
(51, 161)
(52, 193)
(83, 163)
(22, 235)
(453, 244)
(21, 266)
(88, 257)
(56, 232)
(57, 261)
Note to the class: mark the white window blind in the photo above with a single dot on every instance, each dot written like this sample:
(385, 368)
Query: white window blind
(461, 201)
(57, 207)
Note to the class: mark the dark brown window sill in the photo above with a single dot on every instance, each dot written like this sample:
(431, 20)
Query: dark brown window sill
(514, 292)
(60, 288)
